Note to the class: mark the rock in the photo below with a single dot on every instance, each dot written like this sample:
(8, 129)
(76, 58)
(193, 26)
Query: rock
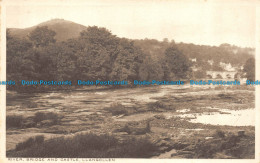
(163, 149)
(46, 123)
(167, 139)
(207, 138)
(222, 156)
(180, 145)
(159, 116)
(189, 148)
(174, 154)
(164, 143)
(28, 124)
(182, 152)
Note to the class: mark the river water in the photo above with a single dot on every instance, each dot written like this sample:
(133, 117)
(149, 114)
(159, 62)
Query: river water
(86, 102)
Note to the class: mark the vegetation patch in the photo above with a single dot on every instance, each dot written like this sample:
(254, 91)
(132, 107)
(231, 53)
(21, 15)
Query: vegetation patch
(230, 146)
(119, 109)
(53, 118)
(30, 142)
(87, 145)
(14, 121)
(38, 120)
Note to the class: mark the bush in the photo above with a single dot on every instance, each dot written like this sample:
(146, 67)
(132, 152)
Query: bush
(41, 116)
(231, 146)
(117, 109)
(220, 134)
(200, 74)
(39, 139)
(30, 142)
(14, 121)
(95, 142)
(206, 149)
(137, 148)
(87, 145)
(160, 106)
(18, 121)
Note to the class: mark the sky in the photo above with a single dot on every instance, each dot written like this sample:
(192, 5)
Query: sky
(200, 22)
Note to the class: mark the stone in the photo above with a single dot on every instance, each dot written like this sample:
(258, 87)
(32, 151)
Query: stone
(46, 122)
(28, 124)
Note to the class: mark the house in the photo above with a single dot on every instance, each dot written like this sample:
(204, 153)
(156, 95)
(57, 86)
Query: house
(227, 66)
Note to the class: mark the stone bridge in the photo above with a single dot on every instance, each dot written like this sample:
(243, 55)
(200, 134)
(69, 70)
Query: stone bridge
(221, 74)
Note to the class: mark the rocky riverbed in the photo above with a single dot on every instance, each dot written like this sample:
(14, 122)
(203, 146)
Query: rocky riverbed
(183, 121)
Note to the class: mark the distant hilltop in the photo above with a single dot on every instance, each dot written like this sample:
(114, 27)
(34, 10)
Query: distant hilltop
(64, 29)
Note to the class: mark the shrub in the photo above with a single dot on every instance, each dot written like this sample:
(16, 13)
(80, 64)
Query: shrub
(231, 146)
(95, 142)
(117, 109)
(206, 150)
(160, 106)
(26, 144)
(86, 145)
(137, 148)
(14, 121)
(39, 139)
(40, 116)
(30, 142)
(220, 134)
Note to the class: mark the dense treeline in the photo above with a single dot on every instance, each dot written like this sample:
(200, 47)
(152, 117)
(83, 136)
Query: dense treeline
(97, 54)
(225, 53)
(249, 69)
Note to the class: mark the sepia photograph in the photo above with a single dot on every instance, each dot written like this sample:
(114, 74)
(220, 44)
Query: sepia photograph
(129, 79)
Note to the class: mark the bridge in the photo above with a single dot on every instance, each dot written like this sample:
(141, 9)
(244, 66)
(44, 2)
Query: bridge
(221, 74)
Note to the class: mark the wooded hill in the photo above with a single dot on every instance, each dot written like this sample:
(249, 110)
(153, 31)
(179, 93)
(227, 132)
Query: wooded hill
(63, 50)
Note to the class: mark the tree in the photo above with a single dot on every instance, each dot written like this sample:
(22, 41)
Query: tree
(200, 74)
(16, 50)
(98, 36)
(219, 76)
(249, 69)
(98, 52)
(166, 40)
(104, 56)
(216, 67)
(42, 36)
(127, 62)
(57, 62)
(150, 70)
(176, 64)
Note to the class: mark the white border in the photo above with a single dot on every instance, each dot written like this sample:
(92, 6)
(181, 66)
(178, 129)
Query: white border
(69, 2)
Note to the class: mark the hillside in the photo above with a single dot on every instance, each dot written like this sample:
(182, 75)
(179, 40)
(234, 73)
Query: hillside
(64, 29)
(202, 53)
